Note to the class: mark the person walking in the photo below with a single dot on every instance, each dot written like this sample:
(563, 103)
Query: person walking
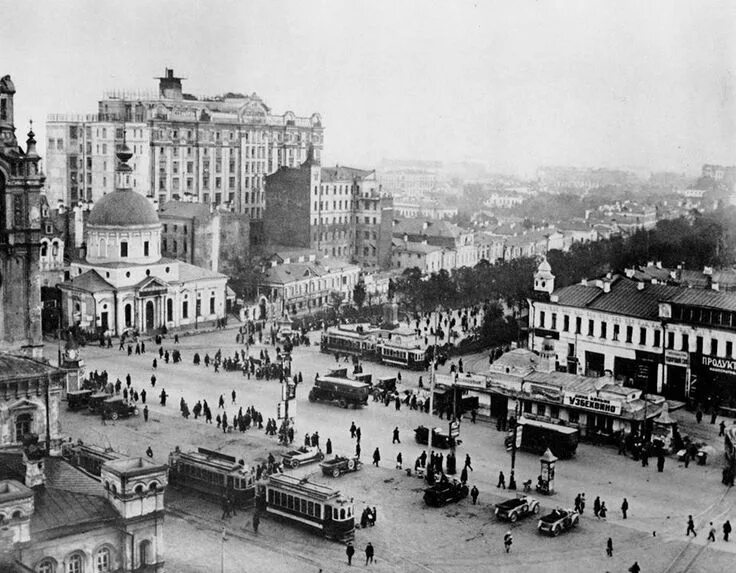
(712, 532)
(396, 436)
(369, 553)
(597, 506)
(603, 511)
(357, 450)
(233, 396)
(350, 551)
(507, 541)
(721, 428)
(726, 530)
(501, 480)
(624, 507)
(609, 547)
(352, 435)
(149, 452)
(328, 446)
(464, 476)
(145, 413)
(357, 434)
(474, 494)
(153, 380)
(690, 527)
(399, 461)
(256, 522)
(376, 457)
(143, 396)
(635, 568)
(467, 462)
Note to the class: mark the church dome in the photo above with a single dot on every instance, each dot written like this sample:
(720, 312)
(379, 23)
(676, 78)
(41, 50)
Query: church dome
(123, 208)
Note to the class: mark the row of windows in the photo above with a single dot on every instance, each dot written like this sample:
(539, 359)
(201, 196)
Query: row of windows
(295, 503)
(75, 563)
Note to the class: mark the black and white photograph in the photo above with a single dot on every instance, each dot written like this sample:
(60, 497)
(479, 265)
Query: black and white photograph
(409, 286)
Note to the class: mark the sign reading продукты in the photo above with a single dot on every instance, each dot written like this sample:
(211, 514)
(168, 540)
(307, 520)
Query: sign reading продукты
(593, 403)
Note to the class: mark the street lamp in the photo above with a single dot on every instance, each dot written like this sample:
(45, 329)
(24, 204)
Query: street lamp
(512, 477)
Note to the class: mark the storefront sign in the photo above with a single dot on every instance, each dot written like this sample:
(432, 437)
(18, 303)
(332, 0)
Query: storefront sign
(593, 403)
(713, 364)
(676, 358)
(546, 392)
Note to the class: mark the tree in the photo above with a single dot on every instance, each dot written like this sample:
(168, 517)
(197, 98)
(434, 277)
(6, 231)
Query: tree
(359, 294)
(336, 299)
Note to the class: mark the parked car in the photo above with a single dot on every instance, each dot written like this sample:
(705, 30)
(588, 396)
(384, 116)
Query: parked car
(302, 455)
(78, 399)
(440, 438)
(445, 492)
(340, 465)
(515, 508)
(116, 407)
(558, 521)
(94, 404)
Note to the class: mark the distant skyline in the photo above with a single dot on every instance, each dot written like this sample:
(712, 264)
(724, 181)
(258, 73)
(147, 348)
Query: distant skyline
(515, 85)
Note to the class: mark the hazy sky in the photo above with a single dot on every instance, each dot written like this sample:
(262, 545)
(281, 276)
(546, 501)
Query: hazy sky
(514, 84)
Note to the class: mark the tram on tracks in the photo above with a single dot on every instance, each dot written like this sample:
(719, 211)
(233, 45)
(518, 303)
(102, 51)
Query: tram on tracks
(369, 344)
(88, 458)
(213, 474)
(317, 507)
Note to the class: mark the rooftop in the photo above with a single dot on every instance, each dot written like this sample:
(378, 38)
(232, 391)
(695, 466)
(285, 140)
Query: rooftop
(340, 173)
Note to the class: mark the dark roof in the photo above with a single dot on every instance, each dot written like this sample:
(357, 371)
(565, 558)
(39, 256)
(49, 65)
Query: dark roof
(122, 208)
(89, 281)
(58, 508)
(62, 475)
(13, 367)
(705, 298)
(577, 295)
(340, 173)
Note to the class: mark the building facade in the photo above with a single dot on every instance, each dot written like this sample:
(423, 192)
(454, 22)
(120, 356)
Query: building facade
(124, 282)
(458, 244)
(213, 150)
(337, 212)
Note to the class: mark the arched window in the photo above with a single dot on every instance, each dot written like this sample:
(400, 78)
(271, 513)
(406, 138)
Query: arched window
(139, 489)
(102, 249)
(23, 423)
(44, 249)
(144, 553)
(55, 249)
(170, 310)
(102, 560)
(75, 564)
(153, 486)
(128, 311)
(46, 566)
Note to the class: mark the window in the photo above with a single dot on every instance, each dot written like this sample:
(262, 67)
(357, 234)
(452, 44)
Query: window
(699, 345)
(123, 249)
(541, 410)
(212, 304)
(657, 338)
(616, 330)
(554, 321)
(566, 323)
(46, 566)
(685, 342)
(185, 309)
(714, 347)
(554, 412)
(145, 248)
(23, 426)
(542, 319)
(74, 564)
(578, 324)
(671, 340)
(604, 329)
(574, 417)
(102, 560)
(591, 327)
(629, 333)
(729, 349)
(642, 336)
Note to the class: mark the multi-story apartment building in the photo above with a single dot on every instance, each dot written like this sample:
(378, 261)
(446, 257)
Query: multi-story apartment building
(335, 211)
(663, 338)
(213, 150)
(441, 234)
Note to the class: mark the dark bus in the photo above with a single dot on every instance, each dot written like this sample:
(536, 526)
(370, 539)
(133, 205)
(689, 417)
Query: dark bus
(317, 507)
(214, 474)
(537, 436)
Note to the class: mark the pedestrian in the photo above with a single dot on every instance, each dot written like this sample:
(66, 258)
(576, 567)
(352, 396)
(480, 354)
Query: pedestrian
(474, 494)
(352, 431)
(225, 507)
(582, 503)
(501, 480)
(357, 434)
(699, 415)
(467, 462)
(149, 452)
(507, 541)
(609, 547)
(357, 450)
(660, 463)
(376, 457)
(597, 506)
(176, 339)
(145, 413)
(328, 446)
(722, 428)
(155, 364)
(635, 568)
(163, 397)
(690, 527)
(256, 522)
(221, 403)
(726, 530)
(603, 511)
(233, 396)
(464, 475)
(399, 461)
(712, 532)
(350, 551)
(368, 553)
(624, 507)
(396, 436)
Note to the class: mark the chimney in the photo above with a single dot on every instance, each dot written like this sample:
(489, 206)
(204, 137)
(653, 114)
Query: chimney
(640, 286)
(629, 273)
(715, 286)
(584, 282)
(607, 286)
(659, 264)
(708, 271)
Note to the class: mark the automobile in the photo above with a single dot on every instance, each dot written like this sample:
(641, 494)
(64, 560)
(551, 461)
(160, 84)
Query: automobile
(116, 407)
(440, 438)
(340, 465)
(78, 399)
(514, 508)
(445, 492)
(302, 455)
(557, 521)
(95, 401)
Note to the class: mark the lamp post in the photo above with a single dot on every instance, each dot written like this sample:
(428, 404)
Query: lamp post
(512, 478)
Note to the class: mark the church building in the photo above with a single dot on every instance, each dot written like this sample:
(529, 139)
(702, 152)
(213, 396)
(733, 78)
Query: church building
(123, 282)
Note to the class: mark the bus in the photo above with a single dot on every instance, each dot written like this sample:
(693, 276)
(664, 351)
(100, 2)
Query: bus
(214, 474)
(535, 436)
(355, 342)
(88, 458)
(317, 507)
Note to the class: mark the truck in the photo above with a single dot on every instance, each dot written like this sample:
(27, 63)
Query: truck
(535, 436)
(344, 391)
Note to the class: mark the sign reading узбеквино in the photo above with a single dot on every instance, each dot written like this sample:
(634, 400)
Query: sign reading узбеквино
(592, 403)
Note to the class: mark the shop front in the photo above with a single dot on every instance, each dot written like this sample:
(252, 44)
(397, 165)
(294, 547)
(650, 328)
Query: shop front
(713, 377)
(677, 363)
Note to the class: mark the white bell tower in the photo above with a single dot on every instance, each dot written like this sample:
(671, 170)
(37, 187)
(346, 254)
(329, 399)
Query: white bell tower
(544, 280)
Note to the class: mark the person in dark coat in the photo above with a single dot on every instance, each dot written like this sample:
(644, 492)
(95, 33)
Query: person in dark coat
(145, 413)
(625, 507)
(256, 522)
(376, 457)
(501, 480)
(597, 506)
(350, 551)
(328, 446)
(474, 494)
(726, 530)
(352, 431)
(163, 397)
(396, 436)
(368, 553)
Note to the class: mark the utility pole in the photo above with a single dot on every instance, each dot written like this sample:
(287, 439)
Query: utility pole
(512, 478)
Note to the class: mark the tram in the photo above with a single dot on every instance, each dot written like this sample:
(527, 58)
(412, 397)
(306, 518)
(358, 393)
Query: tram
(730, 445)
(317, 507)
(213, 474)
(413, 358)
(355, 342)
(88, 458)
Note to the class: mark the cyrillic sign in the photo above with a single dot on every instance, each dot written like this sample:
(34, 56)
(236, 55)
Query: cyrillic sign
(593, 403)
